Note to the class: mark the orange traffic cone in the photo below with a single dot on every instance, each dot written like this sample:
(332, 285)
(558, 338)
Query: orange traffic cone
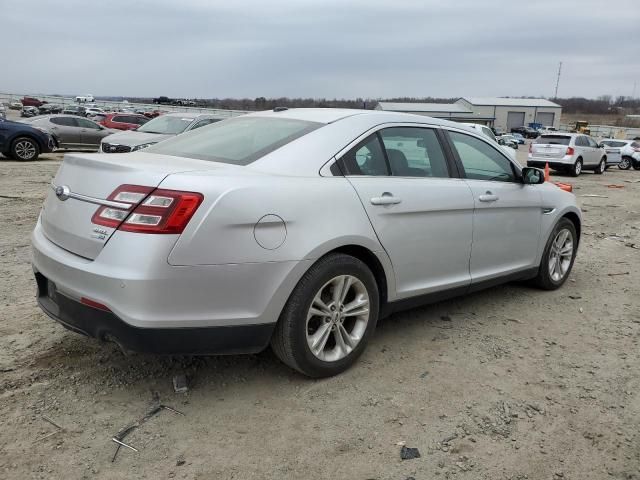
(546, 172)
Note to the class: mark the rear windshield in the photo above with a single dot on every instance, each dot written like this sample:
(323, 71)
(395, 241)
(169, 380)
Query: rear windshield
(166, 125)
(238, 141)
(554, 139)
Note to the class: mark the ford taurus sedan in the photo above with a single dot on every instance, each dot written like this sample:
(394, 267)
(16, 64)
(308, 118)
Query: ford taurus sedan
(296, 228)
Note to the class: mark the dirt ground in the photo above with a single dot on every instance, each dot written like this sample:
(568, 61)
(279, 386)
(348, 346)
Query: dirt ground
(510, 383)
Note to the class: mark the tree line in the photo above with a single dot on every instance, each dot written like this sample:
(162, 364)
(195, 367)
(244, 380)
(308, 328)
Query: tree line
(605, 104)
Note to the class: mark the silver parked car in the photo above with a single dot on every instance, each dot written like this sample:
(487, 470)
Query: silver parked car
(71, 131)
(156, 130)
(626, 152)
(296, 228)
(571, 152)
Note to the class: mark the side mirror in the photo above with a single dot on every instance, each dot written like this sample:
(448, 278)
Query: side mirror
(501, 141)
(532, 176)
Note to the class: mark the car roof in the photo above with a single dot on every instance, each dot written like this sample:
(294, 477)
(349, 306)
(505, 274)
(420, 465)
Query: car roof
(331, 115)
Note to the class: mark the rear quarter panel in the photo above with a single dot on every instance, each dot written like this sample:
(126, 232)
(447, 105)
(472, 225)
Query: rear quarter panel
(318, 214)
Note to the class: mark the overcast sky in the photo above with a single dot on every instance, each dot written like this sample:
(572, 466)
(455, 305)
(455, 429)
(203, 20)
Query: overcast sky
(323, 48)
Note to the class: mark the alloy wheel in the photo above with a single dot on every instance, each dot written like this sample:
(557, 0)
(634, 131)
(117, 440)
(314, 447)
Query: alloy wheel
(337, 318)
(578, 168)
(624, 164)
(560, 255)
(25, 150)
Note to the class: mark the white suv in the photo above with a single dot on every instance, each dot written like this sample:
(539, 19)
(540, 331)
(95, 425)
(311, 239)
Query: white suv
(572, 152)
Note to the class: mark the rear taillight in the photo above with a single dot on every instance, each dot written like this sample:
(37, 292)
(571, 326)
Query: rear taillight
(570, 151)
(150, 210)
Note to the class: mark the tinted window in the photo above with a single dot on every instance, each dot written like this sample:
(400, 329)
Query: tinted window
(203, 122)
(480, 160)
(553, 139)
(167, 125)
(84, 123)
(414, 152)
(120, 118)
(238, 141)
(64, 121)
(366, 158)
(613, 143)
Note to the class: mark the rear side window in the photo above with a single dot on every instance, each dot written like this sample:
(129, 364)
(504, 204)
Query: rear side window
(64, 121)
(237, 141)
(366, 158)
(414, 152)
(613, 143)
(480, 160)
(553, 139)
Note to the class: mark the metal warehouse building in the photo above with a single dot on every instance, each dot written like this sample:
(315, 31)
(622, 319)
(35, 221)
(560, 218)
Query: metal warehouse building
(501, 113)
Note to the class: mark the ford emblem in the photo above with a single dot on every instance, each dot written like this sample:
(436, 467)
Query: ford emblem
(62, 192)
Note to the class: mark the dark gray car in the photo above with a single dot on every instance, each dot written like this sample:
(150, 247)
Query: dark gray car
(71, 131)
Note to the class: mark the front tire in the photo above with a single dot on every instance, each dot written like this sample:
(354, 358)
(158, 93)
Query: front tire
(577, 168)
(602, 166)
(25, 149)
(328, 318)
(558, 256)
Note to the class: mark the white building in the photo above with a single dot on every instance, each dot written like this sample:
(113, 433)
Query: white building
(500, 113)
(508, 113)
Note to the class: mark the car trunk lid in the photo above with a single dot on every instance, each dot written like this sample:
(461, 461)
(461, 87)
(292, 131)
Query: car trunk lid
(85, 181)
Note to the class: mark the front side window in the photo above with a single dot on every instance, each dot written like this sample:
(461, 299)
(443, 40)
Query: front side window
(204, 122)
(480, 160)
(592, 142)
(84, 123)
(487, 131)
(64, 121)
(238, 141)
(414, 152)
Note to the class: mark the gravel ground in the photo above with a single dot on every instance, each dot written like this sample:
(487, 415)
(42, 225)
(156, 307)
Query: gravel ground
(509, 383)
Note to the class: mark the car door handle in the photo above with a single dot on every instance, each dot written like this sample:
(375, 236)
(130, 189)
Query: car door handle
(488, 197)
(385, 199)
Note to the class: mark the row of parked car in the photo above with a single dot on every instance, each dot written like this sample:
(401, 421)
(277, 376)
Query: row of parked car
(115, 133)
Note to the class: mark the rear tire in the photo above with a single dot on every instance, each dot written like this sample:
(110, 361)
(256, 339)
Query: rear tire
(625, 163)
(555, 265)
(312, 309)
(25, 149)
(602, 166)
(577, 168)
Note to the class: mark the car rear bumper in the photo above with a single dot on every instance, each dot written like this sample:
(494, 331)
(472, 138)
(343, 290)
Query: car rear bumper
(131, 276)
(105, 325)
(553, 163)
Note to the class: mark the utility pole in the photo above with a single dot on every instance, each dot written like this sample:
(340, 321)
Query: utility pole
(555, 95)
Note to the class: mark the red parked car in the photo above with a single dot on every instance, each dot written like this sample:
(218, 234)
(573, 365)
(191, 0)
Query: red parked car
(31, 102)
(123, 121)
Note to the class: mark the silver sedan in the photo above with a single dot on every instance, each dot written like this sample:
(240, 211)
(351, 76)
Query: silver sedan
(71, 131)
(295, 228)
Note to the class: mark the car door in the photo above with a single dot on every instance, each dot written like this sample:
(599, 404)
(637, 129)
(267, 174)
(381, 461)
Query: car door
(595, 153)
(420, 212)
(67, 131)
(91, 133)
(582, 149)
(507, 215)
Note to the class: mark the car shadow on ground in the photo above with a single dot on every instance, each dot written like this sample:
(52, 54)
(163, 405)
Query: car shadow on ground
(105, 363)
